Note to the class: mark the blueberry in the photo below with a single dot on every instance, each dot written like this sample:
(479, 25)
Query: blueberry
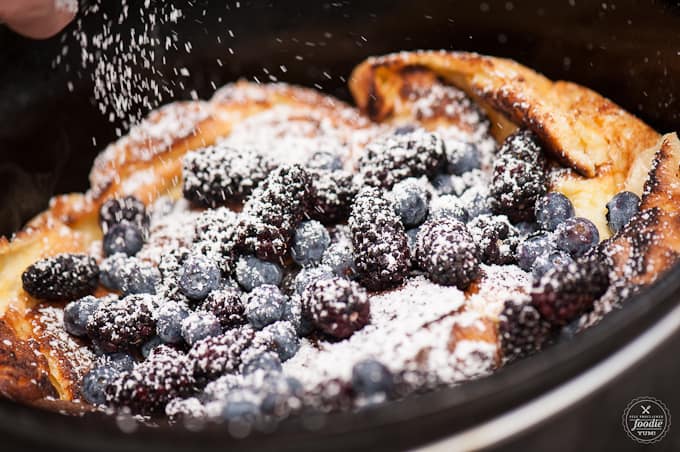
(411, 202)
(122, 362)
(405, 129)
(139, 277)
(552, 209)
(475, 201)
(93, 386)
(265, 305)
(309, 243)
(198, 277)
(553, 259)
(123, 238)
(526, 228)
(252, 272)
(462, 157)
(339, 257)
(266, 361)
(534, 246)
(576, 236)
(370, 377)
(325, 160)
(169, 321)
(310, 275)
(292, 312)
(241, 406)
(284, 339)
(200, 325)
(110, 271)
(148, 346)
(621, 209)
(77, 313)
(412, 235)
(445, 184)
(448, 206)
(283, 395)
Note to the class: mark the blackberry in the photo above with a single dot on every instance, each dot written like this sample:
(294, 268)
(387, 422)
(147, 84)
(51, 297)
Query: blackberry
(252, 272)
(274, 210)
(621, 209)
(217, 175)
(334, 193)
(119, 324)
(265, 305)
(462, 157)
(77, 313)
(519, 177)
(219, 355)
(396, 157)
(165, 375)
(577, 236)
(283, 337)
(567, 291)
(216, 237)
(379, 241)
(446, 251)
(496, 239)
(371, 378)
(521, 330)
(120, 210)
(169, 318)
(337, 306)
(61, 277)
(198, 277)
(309, 243)
(411, 201)
(553, 209)
(123, 238)
(200, 325)
(325, 160)
(227, 306)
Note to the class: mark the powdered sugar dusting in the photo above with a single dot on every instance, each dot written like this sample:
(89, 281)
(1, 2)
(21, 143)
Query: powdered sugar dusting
(411, 328)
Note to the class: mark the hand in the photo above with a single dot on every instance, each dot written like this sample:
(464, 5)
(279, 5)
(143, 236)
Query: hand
(37, 19)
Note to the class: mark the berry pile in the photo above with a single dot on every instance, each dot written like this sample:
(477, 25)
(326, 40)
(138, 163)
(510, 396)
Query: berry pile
(277, 259)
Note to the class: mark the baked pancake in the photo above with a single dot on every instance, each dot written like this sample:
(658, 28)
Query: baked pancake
(263, 167)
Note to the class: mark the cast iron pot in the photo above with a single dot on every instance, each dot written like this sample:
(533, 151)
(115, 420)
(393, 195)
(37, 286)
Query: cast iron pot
(569, 397)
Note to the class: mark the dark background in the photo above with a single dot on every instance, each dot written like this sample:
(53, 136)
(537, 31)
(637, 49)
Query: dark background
(627, 50)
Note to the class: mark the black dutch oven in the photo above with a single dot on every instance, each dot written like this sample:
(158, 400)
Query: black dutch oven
(569, 397)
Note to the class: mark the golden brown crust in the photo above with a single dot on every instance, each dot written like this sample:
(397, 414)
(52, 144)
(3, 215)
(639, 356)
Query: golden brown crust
(650, 244)
(581, 128)
(145, 163)
(40, 364)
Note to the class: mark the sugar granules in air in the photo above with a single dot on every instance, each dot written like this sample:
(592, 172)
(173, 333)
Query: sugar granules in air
(124, 57)
(70, 6)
